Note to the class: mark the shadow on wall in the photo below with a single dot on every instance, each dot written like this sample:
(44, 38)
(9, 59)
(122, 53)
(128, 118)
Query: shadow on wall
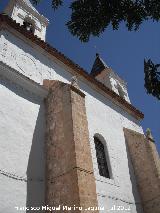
(138, 205)
(27, 135)
(36, 165)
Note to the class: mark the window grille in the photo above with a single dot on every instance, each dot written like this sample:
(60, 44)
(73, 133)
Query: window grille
(101, 158)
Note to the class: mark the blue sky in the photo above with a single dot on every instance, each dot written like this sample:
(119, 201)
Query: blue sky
(122, 50)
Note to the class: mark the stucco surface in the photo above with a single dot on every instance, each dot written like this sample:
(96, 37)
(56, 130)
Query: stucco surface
(21, 148)
(29, 60)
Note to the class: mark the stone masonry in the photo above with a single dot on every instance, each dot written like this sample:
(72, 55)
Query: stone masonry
(69, 171)
(146, 163)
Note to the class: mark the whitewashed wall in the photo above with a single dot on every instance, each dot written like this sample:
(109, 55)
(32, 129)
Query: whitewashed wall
(104, 118)
(29, 59)
(108, 120)
(22, 167)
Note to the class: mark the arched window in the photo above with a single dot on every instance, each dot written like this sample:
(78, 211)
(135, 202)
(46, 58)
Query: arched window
(101, 158)
(28, 25)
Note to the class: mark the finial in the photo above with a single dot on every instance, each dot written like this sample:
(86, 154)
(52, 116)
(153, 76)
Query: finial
(149, 135)
(74, 82)
(97, 54)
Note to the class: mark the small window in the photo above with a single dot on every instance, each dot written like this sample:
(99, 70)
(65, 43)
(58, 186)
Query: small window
(28, 26)
(101, 158)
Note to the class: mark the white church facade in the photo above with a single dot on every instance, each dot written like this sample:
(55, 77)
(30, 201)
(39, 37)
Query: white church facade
(67, 138)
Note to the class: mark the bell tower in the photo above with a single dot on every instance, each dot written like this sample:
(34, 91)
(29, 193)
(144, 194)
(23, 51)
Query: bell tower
(23, 12)
(104, 74)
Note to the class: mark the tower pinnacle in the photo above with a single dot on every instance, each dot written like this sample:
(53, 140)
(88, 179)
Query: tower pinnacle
(98, 66)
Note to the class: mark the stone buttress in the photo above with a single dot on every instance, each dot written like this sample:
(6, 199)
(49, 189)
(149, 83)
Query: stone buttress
(146, 163)
(69, 171)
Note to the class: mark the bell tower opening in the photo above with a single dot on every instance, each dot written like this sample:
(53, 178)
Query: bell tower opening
(29, 25)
